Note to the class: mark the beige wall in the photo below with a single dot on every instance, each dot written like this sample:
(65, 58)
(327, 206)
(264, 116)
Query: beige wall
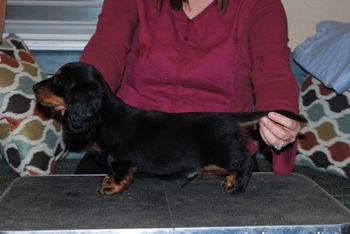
(303, 15)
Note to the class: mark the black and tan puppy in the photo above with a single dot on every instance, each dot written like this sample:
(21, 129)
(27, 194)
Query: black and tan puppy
(159, 143)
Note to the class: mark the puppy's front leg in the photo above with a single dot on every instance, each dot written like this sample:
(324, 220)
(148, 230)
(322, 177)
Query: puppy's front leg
(120, 177)
(110, 186)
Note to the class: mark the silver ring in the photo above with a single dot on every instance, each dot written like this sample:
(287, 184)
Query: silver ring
(279, 146)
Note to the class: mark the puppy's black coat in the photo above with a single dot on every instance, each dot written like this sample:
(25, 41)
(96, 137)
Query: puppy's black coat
(159, 143)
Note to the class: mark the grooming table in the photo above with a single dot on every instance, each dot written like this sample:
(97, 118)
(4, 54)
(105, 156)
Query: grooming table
(271, 204)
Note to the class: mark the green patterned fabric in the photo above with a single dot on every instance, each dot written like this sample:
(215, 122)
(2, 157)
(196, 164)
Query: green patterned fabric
(325, 140)
(30, 135)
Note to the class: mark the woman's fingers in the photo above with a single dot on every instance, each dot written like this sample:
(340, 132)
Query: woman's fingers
(287, 123)
(278, 131)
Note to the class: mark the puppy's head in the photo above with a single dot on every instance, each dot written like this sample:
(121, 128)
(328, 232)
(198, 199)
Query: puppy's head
(77, 89)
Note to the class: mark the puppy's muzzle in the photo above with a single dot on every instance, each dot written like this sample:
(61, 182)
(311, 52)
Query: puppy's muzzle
(45, 96)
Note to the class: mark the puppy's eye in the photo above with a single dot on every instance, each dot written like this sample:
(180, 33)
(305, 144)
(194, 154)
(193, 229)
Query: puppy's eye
(63, 82)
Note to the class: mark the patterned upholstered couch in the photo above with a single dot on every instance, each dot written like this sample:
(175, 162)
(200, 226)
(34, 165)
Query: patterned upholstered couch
(325, 140)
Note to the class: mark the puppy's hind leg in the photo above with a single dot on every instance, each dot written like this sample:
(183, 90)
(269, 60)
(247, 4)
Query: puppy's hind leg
(120, 177)
(239, 175)
(244, 174)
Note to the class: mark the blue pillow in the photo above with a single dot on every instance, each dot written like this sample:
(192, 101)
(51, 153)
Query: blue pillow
(326, 55)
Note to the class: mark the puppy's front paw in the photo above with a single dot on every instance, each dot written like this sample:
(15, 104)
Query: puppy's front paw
(110, 187)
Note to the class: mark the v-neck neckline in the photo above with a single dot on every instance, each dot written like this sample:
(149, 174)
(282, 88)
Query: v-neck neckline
(199, 15)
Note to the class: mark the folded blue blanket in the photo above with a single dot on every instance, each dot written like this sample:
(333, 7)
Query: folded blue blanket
(326, 55)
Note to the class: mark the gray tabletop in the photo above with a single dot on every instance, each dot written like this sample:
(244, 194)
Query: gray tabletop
(271, 204)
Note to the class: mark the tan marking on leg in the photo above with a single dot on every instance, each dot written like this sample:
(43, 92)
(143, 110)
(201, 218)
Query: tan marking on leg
(229, 182)
(213, 169)
(109, 186)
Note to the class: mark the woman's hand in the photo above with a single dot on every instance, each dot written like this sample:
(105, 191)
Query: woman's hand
(278, 131)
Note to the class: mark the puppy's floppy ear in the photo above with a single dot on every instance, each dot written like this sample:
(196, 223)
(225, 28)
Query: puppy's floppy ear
(82, 110)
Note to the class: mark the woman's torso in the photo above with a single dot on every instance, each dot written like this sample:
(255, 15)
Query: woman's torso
(178, 64)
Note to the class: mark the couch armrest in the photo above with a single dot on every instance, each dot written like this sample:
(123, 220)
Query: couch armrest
(2, 16)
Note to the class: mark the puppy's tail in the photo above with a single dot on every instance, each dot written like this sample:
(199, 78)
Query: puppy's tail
(250, 118)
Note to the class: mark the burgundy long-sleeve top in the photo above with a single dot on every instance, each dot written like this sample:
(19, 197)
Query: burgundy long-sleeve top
(219, 61)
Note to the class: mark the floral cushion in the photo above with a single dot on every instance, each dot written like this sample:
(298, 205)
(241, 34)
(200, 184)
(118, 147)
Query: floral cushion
(325, 140)
(30, 135)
